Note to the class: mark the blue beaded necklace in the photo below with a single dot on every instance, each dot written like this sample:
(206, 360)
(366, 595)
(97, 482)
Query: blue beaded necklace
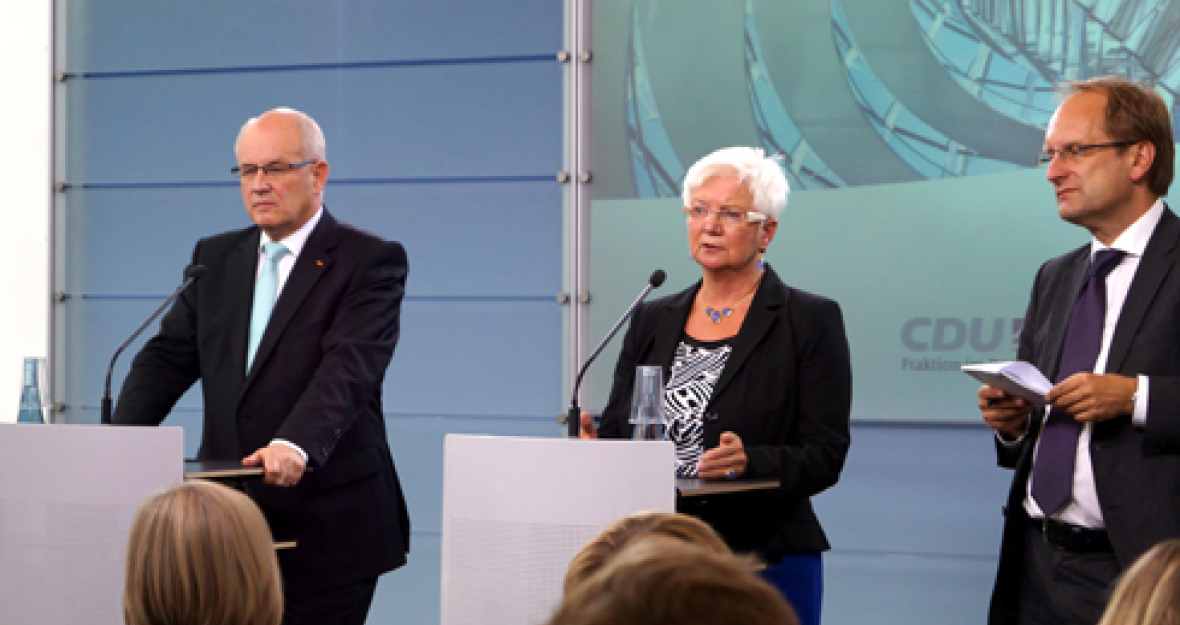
(716, 316)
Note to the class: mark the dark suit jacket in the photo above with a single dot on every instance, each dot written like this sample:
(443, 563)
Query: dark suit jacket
(316, 381)
(1136, 471)
(786, 390)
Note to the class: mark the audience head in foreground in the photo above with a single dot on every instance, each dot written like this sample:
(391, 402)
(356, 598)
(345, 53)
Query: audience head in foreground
(1149, 592)
(201, 554)
(665, 581)
(614, 537)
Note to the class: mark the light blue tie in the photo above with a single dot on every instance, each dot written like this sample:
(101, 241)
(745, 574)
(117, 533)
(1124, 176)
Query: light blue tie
(265, 290)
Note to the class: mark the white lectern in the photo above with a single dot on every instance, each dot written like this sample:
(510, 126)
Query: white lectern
(516, 510)
(67, 496)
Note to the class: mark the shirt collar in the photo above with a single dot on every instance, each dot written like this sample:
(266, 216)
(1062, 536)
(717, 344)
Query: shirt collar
(296, 240)
(1134, 239)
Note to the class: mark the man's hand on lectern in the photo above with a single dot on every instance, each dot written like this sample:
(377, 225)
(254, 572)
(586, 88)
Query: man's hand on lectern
(283, 466)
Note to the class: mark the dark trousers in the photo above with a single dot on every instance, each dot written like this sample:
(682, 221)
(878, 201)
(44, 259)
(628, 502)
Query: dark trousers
(800, 578)
(1059, 587)
(342, 605)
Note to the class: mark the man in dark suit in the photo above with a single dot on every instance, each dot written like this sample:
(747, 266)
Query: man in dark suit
(1097, 472)
(297, 387)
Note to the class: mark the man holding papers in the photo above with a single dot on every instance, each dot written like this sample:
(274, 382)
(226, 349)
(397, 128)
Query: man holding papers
(1097, 471)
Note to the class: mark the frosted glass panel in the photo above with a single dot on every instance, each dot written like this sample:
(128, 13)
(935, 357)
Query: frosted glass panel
(500, 119)
(444, 228)
(444, 132)
(120, 35)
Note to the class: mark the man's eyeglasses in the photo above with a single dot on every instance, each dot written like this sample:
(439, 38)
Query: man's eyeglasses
(726, 216)
(1074, 153)
(269, 169)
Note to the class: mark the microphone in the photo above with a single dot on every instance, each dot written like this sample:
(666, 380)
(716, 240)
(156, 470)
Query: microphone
(191, 273)
(573, 418)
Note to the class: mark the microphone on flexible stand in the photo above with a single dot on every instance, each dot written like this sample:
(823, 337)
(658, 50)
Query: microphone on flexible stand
(191, 273)
(573, 418)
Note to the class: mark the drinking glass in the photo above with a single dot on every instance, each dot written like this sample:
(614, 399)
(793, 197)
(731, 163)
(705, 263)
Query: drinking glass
(647, 404)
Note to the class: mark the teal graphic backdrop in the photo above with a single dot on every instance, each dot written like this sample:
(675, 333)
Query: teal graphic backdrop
(909, 131)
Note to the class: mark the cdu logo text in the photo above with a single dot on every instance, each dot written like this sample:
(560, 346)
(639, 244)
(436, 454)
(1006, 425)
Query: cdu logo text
(946, 343)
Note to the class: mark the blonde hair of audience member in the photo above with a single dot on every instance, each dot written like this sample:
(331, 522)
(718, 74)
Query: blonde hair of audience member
(661, 581)
(1148, 593)
(201, 554)
(617, 535)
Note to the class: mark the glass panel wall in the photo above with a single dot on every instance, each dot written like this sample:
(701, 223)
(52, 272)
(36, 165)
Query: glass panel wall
(444, 131)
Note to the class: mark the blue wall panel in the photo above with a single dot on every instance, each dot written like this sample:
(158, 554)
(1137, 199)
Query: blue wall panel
(897, 590)
(413, 593)
(87, 334)
(138, 241)
(444, 227)
(477, 358)
(915, 526)
(454, 358)
(499, 119)
(486, 239)
(900, 483)
(118, 35)
(444, 128)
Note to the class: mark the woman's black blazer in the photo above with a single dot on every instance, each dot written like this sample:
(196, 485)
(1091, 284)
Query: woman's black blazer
(786, 390)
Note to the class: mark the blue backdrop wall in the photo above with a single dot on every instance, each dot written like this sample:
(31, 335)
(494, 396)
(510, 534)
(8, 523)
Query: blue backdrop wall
(444, 129)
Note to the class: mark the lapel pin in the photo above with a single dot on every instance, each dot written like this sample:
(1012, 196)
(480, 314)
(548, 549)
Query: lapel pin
(320, 263)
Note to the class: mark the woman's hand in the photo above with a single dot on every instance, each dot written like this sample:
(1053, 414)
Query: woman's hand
(587, 426)
(726, 460)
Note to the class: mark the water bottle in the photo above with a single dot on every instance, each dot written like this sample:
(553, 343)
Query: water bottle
(30, 394)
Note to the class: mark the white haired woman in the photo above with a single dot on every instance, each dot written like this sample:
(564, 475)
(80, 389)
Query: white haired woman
(759, 376)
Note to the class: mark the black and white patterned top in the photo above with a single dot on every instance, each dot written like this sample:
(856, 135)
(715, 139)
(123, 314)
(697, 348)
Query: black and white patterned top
(695, 370)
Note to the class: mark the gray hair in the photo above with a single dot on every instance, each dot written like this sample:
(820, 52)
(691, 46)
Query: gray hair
(762, 175)
(314, 145)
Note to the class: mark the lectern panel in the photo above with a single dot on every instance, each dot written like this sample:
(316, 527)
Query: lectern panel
(67, 497)
(516, 510)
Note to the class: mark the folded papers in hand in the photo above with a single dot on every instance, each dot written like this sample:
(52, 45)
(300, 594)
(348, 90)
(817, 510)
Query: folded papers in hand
(1015, 377)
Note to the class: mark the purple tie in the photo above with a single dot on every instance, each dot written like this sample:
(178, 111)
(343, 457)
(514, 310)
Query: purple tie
(1052, 474)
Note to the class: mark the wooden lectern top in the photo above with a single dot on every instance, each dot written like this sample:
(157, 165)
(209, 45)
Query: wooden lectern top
(218, 469)
(696, 487)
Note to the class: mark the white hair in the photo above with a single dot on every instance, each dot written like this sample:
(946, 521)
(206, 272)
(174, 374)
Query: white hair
(762, 175)
(314, 145)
